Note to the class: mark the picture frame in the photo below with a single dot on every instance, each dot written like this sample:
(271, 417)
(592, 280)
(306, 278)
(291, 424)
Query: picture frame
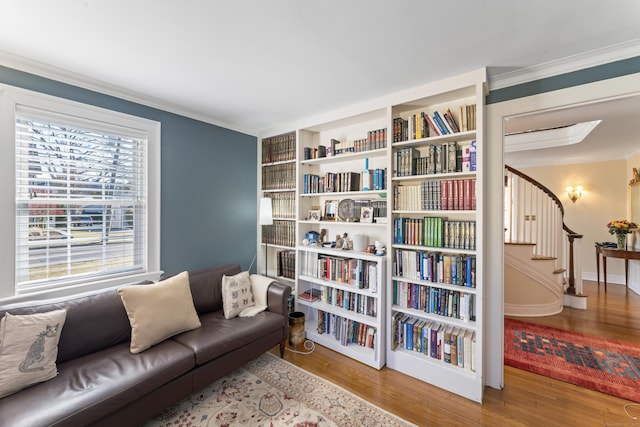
(366, 214)
(330, 210)
(315, 214)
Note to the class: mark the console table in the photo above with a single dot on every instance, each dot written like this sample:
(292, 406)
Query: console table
(614, 253)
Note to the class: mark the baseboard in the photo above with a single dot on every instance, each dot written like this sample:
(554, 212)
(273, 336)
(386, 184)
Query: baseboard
(575, 301)
(615, 279)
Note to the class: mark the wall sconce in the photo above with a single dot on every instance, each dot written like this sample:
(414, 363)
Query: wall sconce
(574, 194)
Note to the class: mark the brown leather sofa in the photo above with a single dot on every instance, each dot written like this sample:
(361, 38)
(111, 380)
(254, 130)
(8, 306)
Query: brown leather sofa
(100, 382)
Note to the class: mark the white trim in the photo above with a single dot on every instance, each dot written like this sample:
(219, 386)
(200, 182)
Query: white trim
(569, 64)
(557, 137)
(20, 63)
(11, 96)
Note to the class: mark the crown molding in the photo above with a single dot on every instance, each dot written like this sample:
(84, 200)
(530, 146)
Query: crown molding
(40, 69)
(626, 50)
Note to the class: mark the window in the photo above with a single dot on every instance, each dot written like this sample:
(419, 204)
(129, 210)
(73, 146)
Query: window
(86, 195)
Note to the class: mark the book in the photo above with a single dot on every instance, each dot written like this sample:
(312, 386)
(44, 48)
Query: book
(311, 295)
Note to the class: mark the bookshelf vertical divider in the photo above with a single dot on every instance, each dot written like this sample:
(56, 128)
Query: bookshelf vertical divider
(416, 306)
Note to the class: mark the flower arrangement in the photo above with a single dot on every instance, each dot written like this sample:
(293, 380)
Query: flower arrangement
(621, 226)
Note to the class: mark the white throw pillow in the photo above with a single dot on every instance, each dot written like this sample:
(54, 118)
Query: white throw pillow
(29, 349)
(159, 311)
(260, 285)
(237, 294)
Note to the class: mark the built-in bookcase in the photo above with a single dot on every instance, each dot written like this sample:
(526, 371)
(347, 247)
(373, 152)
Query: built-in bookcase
(278, 182)
(421, 199)
(339, 201)
(435, 288)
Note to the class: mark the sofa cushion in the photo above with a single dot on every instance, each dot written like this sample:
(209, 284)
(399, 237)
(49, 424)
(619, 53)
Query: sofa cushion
(159, 311)
(93, 386)
(206, 286)
(237, 294)
(28, 349)
(219, 335)
(85, 329)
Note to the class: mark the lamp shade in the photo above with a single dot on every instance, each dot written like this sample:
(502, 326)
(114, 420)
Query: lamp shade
(265, 216)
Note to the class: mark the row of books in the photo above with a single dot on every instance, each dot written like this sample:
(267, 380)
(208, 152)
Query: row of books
(346, 331)
(355, 272)
(283, 204)
(287, 264)
(441, 194)
(279, 148)
(277, 177)
(375, 140)
(430, 299)
(435, 232)
(436, 267)
(282, 233)
(446, 157)
(423, 125)
(337, 182)
(358, 303)
(450, 344)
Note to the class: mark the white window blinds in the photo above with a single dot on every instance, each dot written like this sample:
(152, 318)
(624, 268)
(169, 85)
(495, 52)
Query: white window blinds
(81, 204)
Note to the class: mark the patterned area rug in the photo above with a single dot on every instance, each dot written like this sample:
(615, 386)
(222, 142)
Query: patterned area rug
(270, 391)
(601, 364)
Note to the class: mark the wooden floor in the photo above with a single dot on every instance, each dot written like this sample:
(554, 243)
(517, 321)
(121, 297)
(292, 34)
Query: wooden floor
(526, 400)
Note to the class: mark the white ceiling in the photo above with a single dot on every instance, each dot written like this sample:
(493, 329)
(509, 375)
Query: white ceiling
(252, 65)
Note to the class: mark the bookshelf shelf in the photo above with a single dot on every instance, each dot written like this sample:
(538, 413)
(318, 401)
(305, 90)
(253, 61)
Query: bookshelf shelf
(282, 162)
(363, 354)
(450, 287)
(280, 190)
(448, 175)
(377, 193)
(439, 364)
(430, 316)
(424, 149)
(434, 249)
(380, 152)
(339, 311)
(350, 224)
(337, 285)
(435, 212)
(458, 136)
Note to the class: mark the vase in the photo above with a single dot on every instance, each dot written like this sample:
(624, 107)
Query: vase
(622, 240)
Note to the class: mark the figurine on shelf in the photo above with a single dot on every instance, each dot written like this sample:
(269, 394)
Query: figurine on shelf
(338, 241)
(347, 244)
(323, 234)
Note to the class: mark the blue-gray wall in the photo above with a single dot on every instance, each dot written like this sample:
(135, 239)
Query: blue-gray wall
(208, 180)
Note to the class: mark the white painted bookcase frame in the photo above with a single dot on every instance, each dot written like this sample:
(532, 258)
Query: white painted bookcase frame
(346, 125)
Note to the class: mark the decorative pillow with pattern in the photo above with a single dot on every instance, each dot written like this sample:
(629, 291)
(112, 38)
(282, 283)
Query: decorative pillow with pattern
(29, 349)
(237, 294)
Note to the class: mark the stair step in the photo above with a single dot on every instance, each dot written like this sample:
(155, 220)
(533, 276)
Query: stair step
(539, 258)
(519, 243)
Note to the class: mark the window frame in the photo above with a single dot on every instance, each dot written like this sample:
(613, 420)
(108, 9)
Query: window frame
(10, 97)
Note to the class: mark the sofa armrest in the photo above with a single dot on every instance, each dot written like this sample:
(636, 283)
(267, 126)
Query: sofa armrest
(277, 297)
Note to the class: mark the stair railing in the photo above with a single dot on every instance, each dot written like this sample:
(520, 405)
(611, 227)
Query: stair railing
(534, 214)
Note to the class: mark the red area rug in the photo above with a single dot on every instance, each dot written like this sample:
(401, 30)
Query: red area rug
(601, 364)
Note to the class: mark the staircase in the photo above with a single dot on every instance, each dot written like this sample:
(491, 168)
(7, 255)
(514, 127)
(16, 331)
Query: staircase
(541, 269)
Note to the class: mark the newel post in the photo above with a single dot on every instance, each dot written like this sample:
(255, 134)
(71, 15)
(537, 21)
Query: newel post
(572, 279)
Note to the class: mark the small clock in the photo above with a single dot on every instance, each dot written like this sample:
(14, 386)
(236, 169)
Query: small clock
(347, 211)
